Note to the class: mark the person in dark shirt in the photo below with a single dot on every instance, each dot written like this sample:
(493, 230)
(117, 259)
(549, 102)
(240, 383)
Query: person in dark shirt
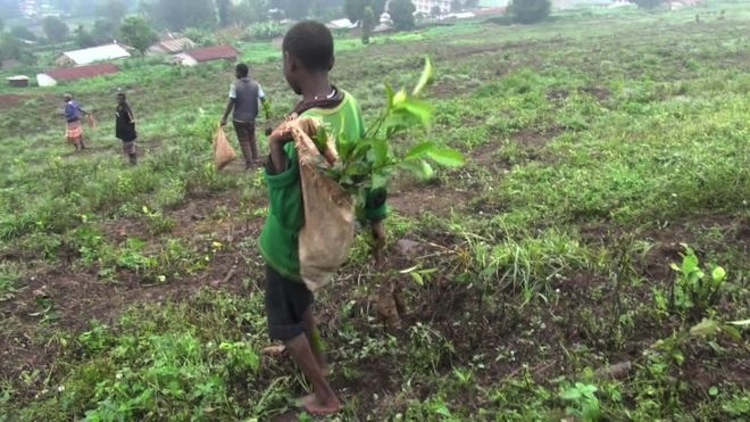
(245, 95)
(125, 127)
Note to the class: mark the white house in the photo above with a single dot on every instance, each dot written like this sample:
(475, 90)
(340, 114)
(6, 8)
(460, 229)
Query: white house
(94, 54)
(341, 24)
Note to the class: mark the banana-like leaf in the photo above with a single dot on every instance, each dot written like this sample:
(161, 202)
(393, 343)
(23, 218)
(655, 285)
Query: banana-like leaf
(427, 76)
(447, 157)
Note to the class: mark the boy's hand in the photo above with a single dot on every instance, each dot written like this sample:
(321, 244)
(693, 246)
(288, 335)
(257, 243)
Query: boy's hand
(378, 234)
(281, 135)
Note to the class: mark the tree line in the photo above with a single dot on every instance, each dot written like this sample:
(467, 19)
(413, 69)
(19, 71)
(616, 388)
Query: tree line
(135, 22)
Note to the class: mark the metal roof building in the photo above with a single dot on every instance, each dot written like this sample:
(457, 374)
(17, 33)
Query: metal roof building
(92, 55)
(52, 77)
(193, 57)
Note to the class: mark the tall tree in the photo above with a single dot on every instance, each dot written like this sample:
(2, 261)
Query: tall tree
(530, 11)
(223, 9)
(368, 23)
(83, 38)
(112, 10)
(181, 14)
(137, 33)
(402, 14)
(55, 29)
(354, 9)
(10, 48)
(103, 31)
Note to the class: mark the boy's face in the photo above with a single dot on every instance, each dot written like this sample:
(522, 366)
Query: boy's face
(291, 72)
(120, 99)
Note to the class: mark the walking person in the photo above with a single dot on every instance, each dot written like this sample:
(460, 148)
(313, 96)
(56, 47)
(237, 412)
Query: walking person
(245, 96)
(73, 126)
(125, 127)
(308, 56)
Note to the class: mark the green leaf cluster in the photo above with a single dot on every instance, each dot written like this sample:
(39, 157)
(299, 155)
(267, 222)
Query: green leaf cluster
(369, 162)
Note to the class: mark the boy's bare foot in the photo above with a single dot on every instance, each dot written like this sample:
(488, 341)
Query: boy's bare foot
(317, 407)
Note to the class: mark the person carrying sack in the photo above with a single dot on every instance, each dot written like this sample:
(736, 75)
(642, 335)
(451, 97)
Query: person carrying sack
(307, 59)
(245, 95)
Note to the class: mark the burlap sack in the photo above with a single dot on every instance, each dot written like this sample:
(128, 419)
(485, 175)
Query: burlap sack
(223, 152)
(328, 234)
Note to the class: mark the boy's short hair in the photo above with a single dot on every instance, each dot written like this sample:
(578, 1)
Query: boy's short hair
(311, 43)
(242, 70)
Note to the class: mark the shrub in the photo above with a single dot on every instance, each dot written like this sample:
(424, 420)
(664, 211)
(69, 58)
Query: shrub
(530, 11)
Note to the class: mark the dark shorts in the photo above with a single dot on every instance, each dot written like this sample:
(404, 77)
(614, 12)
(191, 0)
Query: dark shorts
(286, 303)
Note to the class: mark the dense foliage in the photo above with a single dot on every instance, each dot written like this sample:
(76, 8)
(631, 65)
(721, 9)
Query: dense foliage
(138, 34)
(369, 163)
(355, 9)
(530, 11)
(402, 14)
(55, 29)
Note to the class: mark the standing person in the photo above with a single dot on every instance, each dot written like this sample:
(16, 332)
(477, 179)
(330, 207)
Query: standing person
(74, 128)
(125, 127)
(307, 59)
(244, 98)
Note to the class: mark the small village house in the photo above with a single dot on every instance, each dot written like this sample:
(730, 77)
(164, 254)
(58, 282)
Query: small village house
(91, 55)
(53, 77)
(207, 54)
(340, 24)
(18, 81)
(171, 46)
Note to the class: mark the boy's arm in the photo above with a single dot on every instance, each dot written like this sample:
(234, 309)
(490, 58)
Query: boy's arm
(230, 107)
(230, 104)
(131, 116)
(277, 141)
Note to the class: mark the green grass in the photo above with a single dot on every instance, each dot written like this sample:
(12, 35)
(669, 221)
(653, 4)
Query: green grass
(598, 143)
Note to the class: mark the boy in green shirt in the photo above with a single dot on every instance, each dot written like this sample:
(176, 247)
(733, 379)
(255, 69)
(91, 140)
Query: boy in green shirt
(307, 59)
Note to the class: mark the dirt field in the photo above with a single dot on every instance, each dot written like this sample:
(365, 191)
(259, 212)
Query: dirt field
(592, 163)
